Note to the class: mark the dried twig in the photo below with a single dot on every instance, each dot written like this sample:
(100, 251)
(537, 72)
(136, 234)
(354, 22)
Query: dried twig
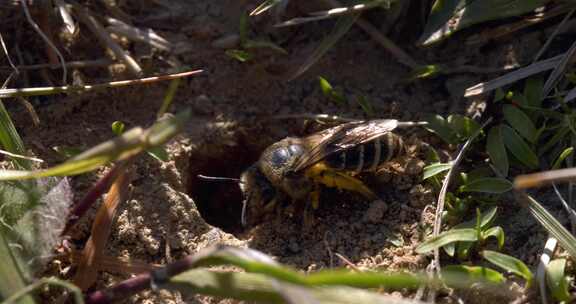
(331, 13)
(101, 227)
(104, 37)
(8, 93)
(347, 262)
(69, 64)
(46, 39)
(559, 69)
(147, 36)
(514, 76)
(544, 178)
(553, 35)
(21, 156)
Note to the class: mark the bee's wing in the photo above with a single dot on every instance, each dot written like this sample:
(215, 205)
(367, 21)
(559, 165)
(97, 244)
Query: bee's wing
(342, 137)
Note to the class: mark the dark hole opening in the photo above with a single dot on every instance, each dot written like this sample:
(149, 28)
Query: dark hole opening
(220, 202)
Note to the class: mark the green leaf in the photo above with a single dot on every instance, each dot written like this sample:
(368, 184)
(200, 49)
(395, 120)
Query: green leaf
(464, 126)
(473, 273)
(435, 169)
(519, 148)
(264, 44)
(477, 173)
(496, 232)
(439, 125)
(240, 55)
(118, 127)
(159, 153)
(499, 95)
(450, 249)
(567, 152)
(450, 236)
(497, 151)
(510, 264)
(432, 155)
(463, 249)
(486, 218)
(449, 16)
(520, 122)
(330, 92)
(494, 185)
(426, 71)
(533, 92)
(557, 281)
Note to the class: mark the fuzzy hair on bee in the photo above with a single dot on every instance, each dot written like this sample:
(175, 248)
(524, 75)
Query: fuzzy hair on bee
(294, 168)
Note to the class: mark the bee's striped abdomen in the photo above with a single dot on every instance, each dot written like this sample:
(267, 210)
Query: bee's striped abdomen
(367, 156)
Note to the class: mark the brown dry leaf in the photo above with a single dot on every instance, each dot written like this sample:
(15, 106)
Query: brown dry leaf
(101, 227)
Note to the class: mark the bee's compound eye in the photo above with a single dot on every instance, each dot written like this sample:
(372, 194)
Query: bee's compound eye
(295, 150)
(279, 157)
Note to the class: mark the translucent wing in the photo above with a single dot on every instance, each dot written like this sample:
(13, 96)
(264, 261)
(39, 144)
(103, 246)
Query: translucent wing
(342, 137)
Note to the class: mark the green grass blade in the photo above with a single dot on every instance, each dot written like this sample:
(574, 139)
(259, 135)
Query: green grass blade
(260, 288)
(510, 264)
(122, 147)
(169, 97)
(548, 221)
(364, 279)
(558, 162)
(450, 236)
(10, 139)
(435, 169)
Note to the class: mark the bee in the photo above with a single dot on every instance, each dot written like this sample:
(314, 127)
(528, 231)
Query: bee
(295, 168)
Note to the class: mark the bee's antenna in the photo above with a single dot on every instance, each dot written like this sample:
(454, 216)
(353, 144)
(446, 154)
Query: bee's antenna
(219, 179)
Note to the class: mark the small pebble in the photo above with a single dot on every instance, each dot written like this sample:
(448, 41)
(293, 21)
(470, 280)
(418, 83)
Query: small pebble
(414, 167)
(293, 245)
(376, 211)
(203, 104)
(420, 196)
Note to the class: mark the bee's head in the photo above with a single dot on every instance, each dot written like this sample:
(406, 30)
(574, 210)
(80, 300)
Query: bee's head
(259, 197)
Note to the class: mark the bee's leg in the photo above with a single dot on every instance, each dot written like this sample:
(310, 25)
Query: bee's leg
(340, 180)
